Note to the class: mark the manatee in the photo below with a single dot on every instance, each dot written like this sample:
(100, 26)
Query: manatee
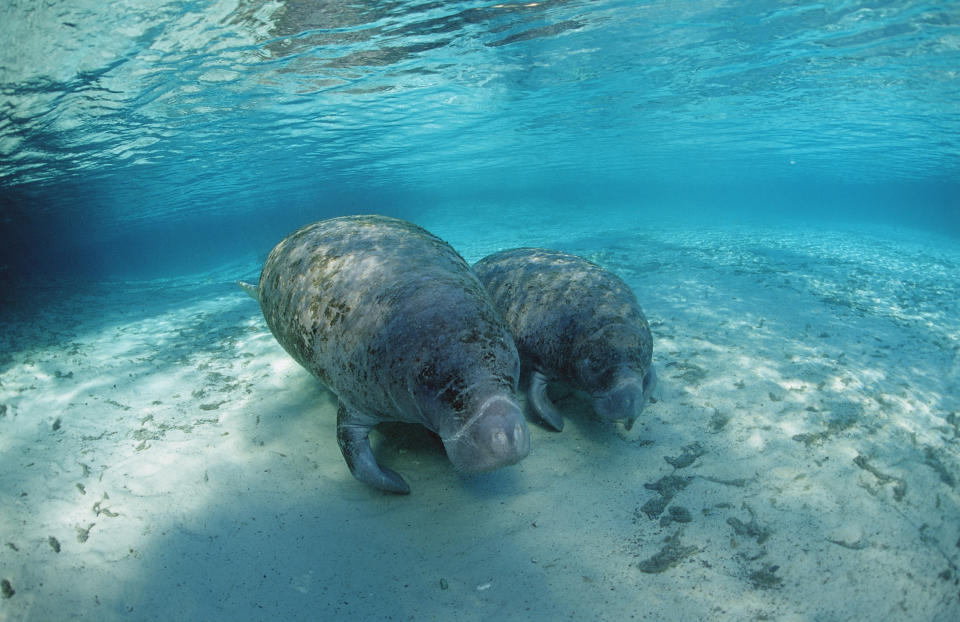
(575, 323)
(393, 321)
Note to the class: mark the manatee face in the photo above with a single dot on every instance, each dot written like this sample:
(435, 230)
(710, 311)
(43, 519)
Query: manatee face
(615, 368)
(496, 436)
(627, 397)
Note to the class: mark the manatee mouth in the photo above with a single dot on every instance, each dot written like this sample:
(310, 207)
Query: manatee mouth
(625, 401)
(496, 436)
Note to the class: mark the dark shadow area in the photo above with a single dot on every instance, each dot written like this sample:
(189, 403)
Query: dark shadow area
(45, 317)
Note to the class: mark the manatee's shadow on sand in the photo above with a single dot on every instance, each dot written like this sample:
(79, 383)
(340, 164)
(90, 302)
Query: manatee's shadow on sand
(500, 484)
(417, 452)
(335, 547)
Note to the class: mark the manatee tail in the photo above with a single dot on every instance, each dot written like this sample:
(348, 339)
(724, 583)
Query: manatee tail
(251, 290)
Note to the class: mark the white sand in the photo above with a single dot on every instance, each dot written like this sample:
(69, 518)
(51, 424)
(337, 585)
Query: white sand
(162, 458)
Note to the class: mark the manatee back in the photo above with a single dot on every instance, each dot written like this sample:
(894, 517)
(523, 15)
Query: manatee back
(332, 285)
(365, 302)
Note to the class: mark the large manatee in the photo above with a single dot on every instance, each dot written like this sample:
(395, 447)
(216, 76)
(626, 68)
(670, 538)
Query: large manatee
(576, 323)
(392, 320)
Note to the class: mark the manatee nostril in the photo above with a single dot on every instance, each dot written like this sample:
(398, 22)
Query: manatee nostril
(499, 439)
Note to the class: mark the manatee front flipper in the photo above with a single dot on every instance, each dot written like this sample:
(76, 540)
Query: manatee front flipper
(541, 404)
(353, 436)
(251, 290)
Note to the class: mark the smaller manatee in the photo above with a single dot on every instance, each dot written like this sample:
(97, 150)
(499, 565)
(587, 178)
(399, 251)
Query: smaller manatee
(576, 323)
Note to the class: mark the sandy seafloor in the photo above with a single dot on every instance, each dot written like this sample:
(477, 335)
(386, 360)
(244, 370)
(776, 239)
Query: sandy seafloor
(162, 458)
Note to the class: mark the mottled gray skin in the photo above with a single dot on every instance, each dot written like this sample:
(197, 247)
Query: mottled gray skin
(576, 323)
(393, 321)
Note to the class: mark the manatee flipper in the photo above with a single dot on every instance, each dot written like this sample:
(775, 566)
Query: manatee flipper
(251, 290)
(541, 404)
(353, 436)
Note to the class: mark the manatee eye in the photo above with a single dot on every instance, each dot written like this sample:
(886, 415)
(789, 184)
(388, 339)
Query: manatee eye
(594, 366)
(596, 374)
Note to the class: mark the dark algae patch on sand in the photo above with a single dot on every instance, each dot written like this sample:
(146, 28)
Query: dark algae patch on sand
(899, 484)
(932, 460)
(718, 421)
(688, 455)
(667, 487)
(671, 554)
(677, 514)
(766, 578)
(751, 529)
(835, 417)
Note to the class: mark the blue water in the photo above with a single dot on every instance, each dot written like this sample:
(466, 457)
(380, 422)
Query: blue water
(157, 137)
(777, 181)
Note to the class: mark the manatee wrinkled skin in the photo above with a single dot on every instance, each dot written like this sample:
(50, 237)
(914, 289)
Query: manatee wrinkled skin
(576, 323)
(391, 319)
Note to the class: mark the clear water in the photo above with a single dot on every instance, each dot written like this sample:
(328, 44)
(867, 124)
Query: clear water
(150, 128)
(779, 182)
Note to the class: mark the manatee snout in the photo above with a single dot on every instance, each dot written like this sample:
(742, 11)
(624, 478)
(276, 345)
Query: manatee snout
(627, 398)
(497, 436)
